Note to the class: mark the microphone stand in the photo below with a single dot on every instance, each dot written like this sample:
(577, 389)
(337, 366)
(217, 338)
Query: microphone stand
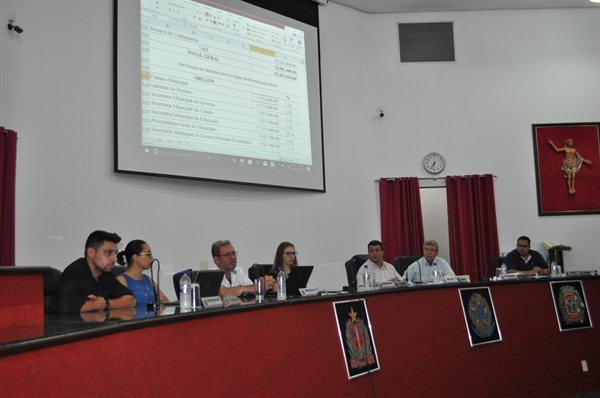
(156, 303)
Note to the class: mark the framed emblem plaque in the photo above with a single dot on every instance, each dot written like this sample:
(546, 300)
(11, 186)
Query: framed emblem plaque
(570, 305)
(480, 316)
(356, 337)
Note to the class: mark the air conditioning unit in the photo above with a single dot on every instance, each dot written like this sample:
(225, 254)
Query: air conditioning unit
(321, 2)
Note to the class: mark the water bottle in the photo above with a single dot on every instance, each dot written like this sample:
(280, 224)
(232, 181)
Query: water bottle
(437, 276)
(504, 269)
(367, 283)
(185, 291)
(553, 270)
(281, 290)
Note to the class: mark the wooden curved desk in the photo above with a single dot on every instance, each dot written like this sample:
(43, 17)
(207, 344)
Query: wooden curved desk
(293, 349)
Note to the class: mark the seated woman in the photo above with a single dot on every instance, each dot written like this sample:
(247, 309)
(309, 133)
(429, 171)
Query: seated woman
(285, 257)
(139, 258)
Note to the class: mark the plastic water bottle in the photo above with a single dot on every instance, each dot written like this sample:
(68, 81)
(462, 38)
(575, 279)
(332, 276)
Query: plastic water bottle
(367, 283)
(504, 269)
(437, 276)
(185, 291)
(281, 288)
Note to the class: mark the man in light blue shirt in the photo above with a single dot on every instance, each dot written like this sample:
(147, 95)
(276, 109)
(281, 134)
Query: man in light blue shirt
(421, 271)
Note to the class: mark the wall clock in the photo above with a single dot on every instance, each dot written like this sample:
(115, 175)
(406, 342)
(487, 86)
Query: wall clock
(434, 163)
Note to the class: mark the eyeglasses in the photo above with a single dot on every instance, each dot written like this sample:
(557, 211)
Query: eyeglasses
(522, 245)
(149, 254)
(290, 253)
(229, 255)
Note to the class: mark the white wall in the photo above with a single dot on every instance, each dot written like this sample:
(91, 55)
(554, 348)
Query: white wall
(434, 206)
(513, 68)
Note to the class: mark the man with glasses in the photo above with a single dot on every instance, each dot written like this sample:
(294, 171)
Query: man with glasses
(524, 260)
(235, 281)
(88, 284)
(421, 271)
(380, 269)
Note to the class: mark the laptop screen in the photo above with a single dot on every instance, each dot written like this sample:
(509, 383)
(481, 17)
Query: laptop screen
(209, 281)
(298, 279)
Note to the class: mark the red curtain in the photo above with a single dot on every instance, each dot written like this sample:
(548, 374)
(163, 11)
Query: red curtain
(8, 167)
(401, 217)
(472, 225)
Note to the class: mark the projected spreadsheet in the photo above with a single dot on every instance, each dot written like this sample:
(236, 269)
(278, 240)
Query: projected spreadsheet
(219, 82)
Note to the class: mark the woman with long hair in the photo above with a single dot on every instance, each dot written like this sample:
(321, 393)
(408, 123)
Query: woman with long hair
(285, 257)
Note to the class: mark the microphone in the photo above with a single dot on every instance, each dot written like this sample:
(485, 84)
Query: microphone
(156, 303)
(420, 282)
(257, 270)
(485, 269)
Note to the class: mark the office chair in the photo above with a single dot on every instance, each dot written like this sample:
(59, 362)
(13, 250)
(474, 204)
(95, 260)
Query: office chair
(265, 267)
(496, 264)
(352, 267)
(401, 263)
(118, 270)
(51, 280)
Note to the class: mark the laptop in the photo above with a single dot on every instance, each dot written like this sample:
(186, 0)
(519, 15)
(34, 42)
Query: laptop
(209, 281)
(298, 279)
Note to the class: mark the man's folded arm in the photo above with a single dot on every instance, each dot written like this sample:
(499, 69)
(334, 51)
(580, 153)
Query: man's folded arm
(123, 302)
(120, 295)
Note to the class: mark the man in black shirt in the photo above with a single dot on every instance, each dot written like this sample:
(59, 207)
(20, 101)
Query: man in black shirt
(525, 260)
(88, 284)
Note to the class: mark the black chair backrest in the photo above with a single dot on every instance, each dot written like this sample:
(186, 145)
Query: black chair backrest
(265, 267)
(401, 263)
(352, 267)
(496, 264)
(51, 280)
(118, 270)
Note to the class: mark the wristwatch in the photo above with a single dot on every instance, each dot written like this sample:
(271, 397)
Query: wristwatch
(107, 306)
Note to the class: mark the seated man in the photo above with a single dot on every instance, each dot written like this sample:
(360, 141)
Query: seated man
(523, 259)
(422, 269)
(235, 281)
(383, 271)
(88, 284)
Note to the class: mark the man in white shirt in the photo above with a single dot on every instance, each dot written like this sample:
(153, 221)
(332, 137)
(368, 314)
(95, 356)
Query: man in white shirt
(421, 271)
(235, 281)
(383, 271)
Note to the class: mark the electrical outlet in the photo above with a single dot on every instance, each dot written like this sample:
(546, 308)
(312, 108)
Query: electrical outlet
(584, 365)
(203, 265)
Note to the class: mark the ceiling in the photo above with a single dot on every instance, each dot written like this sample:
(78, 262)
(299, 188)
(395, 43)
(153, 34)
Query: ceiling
(393, 6)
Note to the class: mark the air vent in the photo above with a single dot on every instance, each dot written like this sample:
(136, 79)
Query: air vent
(426, 42)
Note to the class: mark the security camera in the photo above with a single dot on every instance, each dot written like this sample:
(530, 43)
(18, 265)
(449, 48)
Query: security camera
(14, 27)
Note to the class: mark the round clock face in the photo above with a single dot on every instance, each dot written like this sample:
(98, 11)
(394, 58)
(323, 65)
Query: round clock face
(434, 163)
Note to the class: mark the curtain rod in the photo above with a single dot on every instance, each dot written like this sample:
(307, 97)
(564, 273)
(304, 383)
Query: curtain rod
(431, 178)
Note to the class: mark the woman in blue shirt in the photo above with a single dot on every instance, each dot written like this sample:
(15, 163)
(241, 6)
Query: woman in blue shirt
(138, 256)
